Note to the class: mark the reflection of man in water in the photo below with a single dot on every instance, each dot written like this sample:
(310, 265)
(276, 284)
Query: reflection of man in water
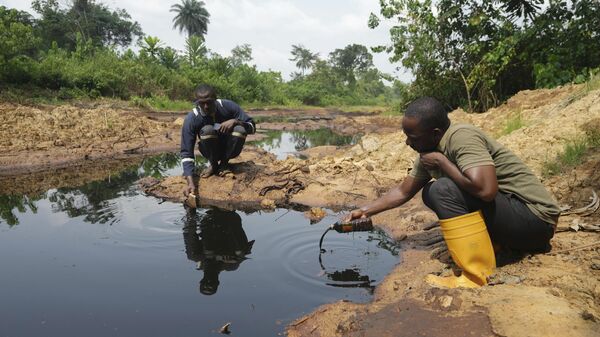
(220, 244)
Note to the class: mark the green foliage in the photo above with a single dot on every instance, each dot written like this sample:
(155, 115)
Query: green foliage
(241, 54)
(151, 45)
(17, 46)
(49, 57)
(91, 20)
(477, 53)
(351, 61)
(160, 103)
(195, 50)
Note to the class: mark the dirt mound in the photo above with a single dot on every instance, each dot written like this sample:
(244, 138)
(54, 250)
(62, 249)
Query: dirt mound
(551, 118)
(34, 138)
(26, 128)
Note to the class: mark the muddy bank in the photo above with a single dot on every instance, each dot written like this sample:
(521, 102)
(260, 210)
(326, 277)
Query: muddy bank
(37, 139)
(44, 138)
(73, 176)
(542, 295)
(552, 294)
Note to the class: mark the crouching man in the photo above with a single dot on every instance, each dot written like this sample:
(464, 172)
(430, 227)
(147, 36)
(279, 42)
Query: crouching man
(221, 126)
(483, 194)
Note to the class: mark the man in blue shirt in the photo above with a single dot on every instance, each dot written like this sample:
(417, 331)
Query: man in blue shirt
(221, 125)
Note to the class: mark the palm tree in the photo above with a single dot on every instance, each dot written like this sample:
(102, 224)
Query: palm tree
(191, 16)
(152, 45)
(527, 9)
(194, 49)
(304, 58)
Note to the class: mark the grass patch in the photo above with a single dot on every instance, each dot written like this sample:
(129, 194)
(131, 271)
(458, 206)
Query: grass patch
(513, 122)
(571, 156)
(593, 83)
(573, 152)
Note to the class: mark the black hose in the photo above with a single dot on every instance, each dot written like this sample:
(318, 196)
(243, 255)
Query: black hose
(321, 241)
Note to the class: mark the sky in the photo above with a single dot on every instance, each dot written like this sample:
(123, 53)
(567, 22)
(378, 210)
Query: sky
(271, 27)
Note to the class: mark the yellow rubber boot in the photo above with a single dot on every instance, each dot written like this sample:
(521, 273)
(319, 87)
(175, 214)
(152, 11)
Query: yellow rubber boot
(471, 249)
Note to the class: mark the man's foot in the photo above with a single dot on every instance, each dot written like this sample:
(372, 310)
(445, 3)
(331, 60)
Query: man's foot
(225, 171)
(209, 171)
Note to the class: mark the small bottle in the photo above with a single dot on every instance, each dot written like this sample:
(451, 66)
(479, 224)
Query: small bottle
(356, 225)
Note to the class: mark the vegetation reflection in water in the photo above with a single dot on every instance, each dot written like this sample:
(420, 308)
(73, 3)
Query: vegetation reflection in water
(284, 143)
(91, 199)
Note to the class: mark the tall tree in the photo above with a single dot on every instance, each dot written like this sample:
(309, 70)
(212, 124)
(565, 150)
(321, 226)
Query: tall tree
(241, 54)
(351, 61)
(192, 17)
(303, 57)
(17, 44)
(90, 19)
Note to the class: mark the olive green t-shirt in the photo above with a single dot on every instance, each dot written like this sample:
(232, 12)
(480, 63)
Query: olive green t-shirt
(466, 146)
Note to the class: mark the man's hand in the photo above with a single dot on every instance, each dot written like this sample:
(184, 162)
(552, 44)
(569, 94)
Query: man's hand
(355, 214)
(227, 126)
(432, 160)
(191, 187)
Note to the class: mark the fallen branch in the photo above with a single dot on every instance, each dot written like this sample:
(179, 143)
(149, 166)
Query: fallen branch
(134, 149)
(586, 210)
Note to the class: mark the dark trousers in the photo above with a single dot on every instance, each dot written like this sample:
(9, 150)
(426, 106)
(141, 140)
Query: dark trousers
(509, 221)
(218, 147)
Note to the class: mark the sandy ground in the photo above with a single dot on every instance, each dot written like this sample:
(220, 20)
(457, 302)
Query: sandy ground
(556, 294)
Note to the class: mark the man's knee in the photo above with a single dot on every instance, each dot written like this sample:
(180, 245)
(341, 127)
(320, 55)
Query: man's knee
(208, 132)
(239, 131)
(437, 191)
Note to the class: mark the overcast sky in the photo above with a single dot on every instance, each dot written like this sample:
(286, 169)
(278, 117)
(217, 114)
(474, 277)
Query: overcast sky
(269, 26)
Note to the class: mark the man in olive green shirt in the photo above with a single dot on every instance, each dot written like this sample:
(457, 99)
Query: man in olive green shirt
(472, 173)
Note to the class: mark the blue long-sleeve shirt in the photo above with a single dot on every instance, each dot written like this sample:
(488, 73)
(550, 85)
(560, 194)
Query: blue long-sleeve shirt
(197, 119)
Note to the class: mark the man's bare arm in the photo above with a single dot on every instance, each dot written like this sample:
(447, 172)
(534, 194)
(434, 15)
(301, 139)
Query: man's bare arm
(479, 181)
(397, 196)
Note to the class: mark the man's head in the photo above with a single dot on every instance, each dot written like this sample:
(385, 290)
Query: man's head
(205, 98)
(424, 123)
(210, 282)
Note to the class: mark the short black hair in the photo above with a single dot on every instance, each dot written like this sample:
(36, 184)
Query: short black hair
(430, 113)
(206, 90)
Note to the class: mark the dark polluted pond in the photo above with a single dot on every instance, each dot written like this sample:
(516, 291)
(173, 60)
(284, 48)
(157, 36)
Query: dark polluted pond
(103, 259)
